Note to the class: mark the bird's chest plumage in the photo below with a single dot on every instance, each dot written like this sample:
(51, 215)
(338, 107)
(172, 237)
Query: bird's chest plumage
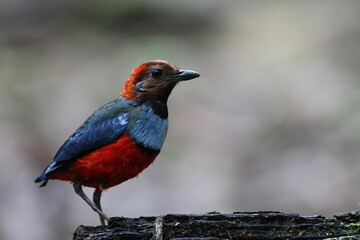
(110, 165)
(147, 128)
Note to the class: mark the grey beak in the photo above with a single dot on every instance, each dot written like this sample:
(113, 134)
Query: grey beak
(184, 75)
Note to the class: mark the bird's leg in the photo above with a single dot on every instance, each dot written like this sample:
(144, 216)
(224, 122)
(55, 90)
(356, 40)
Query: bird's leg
(96, 199)
(78, 189)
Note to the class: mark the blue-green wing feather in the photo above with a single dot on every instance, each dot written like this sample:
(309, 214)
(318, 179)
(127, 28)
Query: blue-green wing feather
(103, 127)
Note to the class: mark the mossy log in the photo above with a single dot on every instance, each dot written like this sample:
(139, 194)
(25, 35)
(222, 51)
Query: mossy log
(217, 226)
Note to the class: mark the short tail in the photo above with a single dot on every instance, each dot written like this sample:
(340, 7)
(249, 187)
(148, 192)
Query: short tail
(41, 178)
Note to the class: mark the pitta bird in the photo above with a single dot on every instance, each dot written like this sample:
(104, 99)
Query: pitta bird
(120, 139)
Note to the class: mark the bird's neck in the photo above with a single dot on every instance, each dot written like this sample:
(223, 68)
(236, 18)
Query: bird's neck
(160, 108)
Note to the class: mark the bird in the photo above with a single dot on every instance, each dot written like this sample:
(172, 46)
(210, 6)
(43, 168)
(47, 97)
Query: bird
(120, 139)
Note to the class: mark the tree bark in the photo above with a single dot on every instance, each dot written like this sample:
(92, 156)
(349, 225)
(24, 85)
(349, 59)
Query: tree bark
(217, 226)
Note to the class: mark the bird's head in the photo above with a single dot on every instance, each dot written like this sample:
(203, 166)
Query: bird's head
(154, 81)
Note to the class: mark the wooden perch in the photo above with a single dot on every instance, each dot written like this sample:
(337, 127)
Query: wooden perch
(217, 226)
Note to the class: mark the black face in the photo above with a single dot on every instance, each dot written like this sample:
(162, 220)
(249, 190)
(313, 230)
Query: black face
(157, 82)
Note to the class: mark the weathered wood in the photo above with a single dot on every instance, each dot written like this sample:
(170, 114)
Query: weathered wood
(216, 226)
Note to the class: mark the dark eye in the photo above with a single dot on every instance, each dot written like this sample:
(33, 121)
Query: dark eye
(157, 73)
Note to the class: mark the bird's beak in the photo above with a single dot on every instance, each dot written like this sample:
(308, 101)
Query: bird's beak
(184, 75)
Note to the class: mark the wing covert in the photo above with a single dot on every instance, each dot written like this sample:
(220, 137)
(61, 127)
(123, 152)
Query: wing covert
(88, 138)
(92, 137)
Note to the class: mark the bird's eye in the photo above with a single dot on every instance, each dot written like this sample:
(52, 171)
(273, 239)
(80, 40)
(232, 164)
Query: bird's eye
(157, 73)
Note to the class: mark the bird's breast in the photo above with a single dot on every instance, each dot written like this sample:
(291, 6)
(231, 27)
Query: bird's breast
(110, 165)
(148, 129)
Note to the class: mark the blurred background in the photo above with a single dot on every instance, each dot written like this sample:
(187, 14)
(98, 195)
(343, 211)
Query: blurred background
(272, 124)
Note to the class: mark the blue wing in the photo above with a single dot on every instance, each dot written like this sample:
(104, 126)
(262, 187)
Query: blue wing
(91, 137)
(103, 127)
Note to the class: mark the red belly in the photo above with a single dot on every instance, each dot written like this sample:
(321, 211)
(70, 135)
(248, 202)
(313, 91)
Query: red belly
(108, 166)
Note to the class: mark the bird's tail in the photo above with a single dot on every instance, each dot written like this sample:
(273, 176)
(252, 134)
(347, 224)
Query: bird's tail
(41, 178)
